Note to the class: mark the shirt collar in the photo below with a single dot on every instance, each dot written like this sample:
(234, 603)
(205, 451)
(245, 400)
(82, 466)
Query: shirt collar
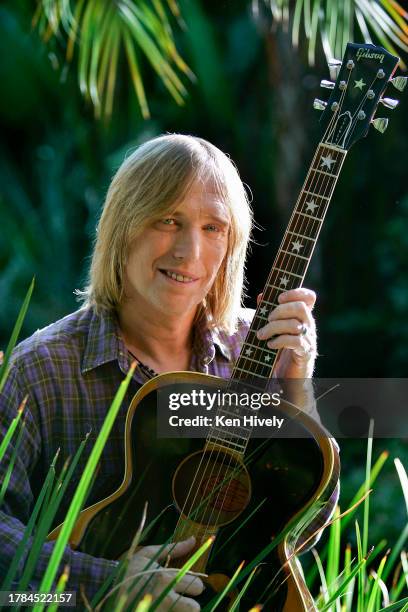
(104, 343)
(207, 339)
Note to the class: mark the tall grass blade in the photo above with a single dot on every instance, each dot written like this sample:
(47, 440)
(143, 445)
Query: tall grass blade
(342, 588)
(144, 605)
(60, 588)
(242, 592)
(324, 590)
(366, 514)
(10, 466)
(333, 556)
(402, 475)
(361, 574)
(14, 335)
(12, 428)
(227, 588)
(375, 587)
(397, 606)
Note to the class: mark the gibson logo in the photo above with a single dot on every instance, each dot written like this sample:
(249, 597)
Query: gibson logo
(367, 54)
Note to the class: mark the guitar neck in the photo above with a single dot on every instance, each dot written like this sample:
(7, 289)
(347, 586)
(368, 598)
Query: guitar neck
(256, 361)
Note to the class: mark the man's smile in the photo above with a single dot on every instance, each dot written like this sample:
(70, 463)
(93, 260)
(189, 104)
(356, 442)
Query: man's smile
(178, 276)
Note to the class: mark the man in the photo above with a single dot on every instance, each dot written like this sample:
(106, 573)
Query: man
(165, 288)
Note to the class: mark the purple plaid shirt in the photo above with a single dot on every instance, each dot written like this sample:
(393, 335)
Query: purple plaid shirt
(71, 371)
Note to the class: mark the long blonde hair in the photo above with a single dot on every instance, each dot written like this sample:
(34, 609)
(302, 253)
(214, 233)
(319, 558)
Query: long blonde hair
(148, 184)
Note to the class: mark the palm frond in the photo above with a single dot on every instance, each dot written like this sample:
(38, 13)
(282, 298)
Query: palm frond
(102, 31)
(337, 22)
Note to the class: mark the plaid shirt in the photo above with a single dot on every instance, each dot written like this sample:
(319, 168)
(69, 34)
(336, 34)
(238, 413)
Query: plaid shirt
(71, 371)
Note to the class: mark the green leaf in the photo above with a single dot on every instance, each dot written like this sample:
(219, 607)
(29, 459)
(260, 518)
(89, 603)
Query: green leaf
(342, 588)
(14, 337)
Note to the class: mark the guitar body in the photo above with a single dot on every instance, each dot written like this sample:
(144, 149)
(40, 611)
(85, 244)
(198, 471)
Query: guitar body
(278, 481)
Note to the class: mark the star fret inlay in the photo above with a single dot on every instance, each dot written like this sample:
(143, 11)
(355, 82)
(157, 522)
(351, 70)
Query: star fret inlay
(310, 206)
(296, 245)
(263, 310)
(283, 281)
(249, 351)
(327, 161)
(267, 357)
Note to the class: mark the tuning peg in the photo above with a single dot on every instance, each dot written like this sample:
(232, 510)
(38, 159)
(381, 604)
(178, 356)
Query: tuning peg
(327, 84)
(389, 103)
(399, 82)
(334, 68)
(380, 124)
(319, 104)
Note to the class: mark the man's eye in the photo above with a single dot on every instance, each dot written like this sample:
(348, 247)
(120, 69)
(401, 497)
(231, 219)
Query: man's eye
(212, 228)
(168, 221)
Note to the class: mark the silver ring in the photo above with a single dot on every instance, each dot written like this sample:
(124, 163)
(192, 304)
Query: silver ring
(303, 330)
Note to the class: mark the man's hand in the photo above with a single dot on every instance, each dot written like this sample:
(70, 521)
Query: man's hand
(293, 329)
(154, 583)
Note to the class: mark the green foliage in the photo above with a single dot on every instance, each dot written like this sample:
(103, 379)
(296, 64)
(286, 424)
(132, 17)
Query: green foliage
(335, 23)
(361, 583)
(103, 31)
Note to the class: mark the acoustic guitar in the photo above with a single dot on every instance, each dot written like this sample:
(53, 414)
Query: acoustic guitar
(243, 490)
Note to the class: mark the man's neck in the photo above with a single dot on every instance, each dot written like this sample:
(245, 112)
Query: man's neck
(163, 342)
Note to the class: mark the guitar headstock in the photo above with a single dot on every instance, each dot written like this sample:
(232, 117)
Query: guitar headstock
(362, 78)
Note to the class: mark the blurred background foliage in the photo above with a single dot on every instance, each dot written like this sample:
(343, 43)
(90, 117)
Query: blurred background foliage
(251, 95)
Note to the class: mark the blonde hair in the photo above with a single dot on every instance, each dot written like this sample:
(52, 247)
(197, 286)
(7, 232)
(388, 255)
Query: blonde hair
(149, 183)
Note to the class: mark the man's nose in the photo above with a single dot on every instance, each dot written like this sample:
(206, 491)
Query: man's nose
(187, 245)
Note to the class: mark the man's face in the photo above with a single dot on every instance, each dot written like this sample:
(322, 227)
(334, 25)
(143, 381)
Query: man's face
(172, 266)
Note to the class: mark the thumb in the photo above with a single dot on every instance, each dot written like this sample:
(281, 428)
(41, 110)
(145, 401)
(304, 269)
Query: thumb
(259, 298)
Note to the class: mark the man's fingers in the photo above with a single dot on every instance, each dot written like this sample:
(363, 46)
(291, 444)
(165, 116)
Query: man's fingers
(191, 585)
(179, 603)
(302, 294)
(298, 344)
(182, 548)
(284, 326)
(292, 310)
(173, 549)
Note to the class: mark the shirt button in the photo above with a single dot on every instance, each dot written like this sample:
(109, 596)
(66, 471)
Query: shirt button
(206, 360)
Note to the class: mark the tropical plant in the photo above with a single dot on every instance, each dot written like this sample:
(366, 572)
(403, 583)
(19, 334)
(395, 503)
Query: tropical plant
(336, 22)
(104, 30)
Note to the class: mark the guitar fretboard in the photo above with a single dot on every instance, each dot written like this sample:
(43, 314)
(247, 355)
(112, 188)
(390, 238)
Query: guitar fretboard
(255, 364)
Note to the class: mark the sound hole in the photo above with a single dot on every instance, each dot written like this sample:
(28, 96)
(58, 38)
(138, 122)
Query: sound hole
(211, 487)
